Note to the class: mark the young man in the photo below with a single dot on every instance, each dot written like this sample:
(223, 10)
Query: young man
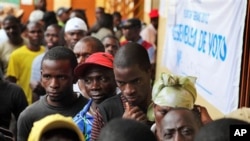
(57, 72)
(74, 30)
(52, 39)
(180, 124)
(19, 66)
(12, 27)
(132, 71)
(63, 15)
(131, 31)
(97, 75)
(111, 44)
(149, 33)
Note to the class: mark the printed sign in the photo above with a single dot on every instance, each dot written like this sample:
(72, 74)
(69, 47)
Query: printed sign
(205, 39)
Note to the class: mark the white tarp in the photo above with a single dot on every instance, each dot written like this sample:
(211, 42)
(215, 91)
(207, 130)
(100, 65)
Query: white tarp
(205, 39)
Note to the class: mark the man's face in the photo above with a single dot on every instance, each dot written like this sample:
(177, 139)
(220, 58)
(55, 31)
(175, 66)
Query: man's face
(134, 84)
(57, 79)
(116, 21)
(64, 17)
(179, 125)
(72, 37)
(98, 13)
(111, 45)
(130, 33)
(35, 34)
(12, 29)
(41, 5)
(99, 83)
(52, 38)
(83, 50)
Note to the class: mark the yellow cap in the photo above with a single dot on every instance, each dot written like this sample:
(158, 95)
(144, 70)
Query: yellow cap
(53, 122)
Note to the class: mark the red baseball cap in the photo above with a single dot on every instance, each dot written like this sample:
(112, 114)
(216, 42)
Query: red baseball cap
(154, 13)
(99, 58)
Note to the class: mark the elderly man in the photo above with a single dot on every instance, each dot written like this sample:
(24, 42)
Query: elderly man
(172, 91)
(74, 30)
(180, 124)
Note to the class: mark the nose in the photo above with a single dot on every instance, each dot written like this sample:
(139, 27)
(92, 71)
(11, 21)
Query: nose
(11, 30)
(50, 38)
(128, 89)
(95, 85)
(81, 59)
(178, 137)
(54, 83)
(76, 37)
(109, 49)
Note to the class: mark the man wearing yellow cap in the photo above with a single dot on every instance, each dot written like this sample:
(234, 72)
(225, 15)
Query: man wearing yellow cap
(55, 126)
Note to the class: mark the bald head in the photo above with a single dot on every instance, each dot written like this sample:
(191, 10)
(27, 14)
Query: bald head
(87, 46)
(97, 44)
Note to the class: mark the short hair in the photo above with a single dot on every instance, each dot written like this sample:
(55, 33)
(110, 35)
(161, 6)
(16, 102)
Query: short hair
(55, 26)
(111, 37)
(61, 53)
(126, 130)
(132, 54)
(117, 14)
(49, 18)
(106, 20)
(99, 47)
(35, 23)
(217, 130)
(12, 19)
(101, 9)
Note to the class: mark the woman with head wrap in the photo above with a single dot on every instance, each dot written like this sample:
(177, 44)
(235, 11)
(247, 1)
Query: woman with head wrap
(172, 91)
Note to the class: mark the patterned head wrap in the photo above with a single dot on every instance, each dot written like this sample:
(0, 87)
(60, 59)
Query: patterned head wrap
(173, 91)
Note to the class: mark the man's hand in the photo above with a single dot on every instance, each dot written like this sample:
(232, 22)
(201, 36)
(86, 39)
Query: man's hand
(134, 113)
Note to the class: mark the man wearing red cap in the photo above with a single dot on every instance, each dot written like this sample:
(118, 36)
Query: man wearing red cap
(96, 73)
(149, 33)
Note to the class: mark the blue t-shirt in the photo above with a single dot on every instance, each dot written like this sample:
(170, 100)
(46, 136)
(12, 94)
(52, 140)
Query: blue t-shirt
(84, 120)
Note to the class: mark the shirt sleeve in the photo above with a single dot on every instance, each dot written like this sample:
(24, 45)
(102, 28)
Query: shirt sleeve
(97, 125)
(13, 66)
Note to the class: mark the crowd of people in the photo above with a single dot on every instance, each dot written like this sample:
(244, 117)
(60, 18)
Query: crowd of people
(62, 79)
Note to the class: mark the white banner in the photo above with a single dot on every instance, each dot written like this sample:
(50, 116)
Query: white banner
(205, 39)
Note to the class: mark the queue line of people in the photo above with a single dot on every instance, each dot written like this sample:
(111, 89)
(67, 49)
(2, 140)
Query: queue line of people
(91, 79)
